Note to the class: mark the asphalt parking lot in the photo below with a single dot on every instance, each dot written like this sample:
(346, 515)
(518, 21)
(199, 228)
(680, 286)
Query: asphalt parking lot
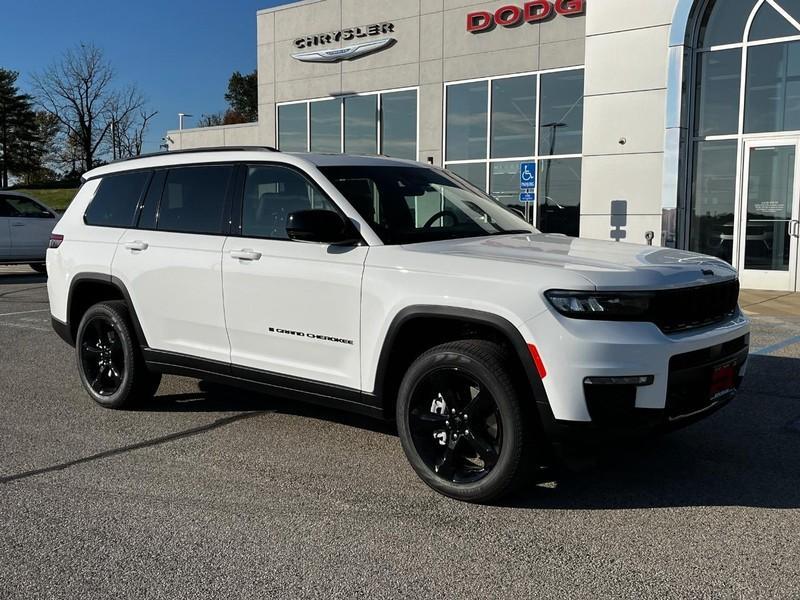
(234, 495)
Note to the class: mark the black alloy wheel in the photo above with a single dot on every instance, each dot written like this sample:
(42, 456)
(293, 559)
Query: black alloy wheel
(110, 361)
(455, 425)
(102, 356)
(462, 421)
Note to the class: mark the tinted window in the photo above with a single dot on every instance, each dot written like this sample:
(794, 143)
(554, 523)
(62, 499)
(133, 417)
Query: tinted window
(514, 117)
(293, 127)
(466, 120)
(559, 196)
(25, 207)
(5, 208)
(475, 173)
(399, 124)
(361, 125)
(773, 88)
(147, 219)
(326, 128)
(724, 22)
(114, 203)
(412, 204)
(194, 199)
(718, 84)
(271, 194)
(561, 119)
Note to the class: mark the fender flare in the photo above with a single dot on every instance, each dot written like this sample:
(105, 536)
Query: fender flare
(115, 282)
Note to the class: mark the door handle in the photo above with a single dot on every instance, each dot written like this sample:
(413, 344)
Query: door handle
(794, 228)
(136, 246)
(245, 254)
(17, 224)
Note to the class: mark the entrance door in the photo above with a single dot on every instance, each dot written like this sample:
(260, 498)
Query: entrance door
(769, 227)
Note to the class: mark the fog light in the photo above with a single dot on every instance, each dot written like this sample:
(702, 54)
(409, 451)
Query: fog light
(637, 380)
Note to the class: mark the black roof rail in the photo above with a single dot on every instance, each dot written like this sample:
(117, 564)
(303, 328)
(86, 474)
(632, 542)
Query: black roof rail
(194, 150)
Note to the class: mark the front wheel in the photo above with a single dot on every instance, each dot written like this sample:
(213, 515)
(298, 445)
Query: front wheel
(109, 359)
(461, 421)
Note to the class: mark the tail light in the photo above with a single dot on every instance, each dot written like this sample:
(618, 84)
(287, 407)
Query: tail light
(55, 240)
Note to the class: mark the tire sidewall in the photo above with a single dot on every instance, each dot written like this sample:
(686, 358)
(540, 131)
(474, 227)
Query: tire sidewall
(510, 416)
(121, 396)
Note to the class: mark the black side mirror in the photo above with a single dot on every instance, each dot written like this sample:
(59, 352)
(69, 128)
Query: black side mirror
(318, 225)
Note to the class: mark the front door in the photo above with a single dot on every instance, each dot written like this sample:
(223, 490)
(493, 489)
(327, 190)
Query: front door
(769, 227)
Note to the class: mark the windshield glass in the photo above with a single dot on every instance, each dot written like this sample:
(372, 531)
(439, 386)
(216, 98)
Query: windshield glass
(405, 205)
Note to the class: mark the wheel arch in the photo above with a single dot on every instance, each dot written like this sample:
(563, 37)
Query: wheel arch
(87, 289)
(439, 324)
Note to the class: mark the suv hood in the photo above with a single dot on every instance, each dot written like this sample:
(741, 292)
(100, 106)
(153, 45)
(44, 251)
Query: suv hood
(605, 264)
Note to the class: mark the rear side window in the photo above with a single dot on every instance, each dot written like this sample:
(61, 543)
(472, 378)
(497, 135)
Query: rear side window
(25, 207)
(5, 209)
(116, 199)
(193, 200)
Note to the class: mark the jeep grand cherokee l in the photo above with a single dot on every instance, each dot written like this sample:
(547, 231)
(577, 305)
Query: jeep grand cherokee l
(392, 289)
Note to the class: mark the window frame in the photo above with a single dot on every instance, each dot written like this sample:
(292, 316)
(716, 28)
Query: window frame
(342, 98)
(537, 157)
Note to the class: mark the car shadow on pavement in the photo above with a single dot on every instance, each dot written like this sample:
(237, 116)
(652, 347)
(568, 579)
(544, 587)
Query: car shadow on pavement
(748, 454)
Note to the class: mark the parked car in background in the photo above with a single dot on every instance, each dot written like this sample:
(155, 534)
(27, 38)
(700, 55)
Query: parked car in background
(25, 227)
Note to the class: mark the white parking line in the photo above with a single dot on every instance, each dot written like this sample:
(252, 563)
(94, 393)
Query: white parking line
(24, 312)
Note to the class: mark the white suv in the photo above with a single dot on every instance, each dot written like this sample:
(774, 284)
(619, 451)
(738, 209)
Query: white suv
(392, 289)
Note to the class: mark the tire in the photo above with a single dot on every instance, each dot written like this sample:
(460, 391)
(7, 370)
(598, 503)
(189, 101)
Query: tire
(39, 268)
(469, 439)
(110, 361)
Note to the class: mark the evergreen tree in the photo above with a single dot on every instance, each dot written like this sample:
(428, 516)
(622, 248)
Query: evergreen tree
(18, 128)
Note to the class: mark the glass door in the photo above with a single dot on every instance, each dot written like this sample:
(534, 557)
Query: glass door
(769, 226)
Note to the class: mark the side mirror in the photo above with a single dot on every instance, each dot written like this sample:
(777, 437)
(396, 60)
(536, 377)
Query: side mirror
(316, 225)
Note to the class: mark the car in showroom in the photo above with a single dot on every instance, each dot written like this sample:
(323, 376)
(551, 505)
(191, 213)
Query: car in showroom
(25, 227)
(393, 289)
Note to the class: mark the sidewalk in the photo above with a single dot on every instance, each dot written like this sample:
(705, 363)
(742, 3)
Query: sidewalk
(768, 303)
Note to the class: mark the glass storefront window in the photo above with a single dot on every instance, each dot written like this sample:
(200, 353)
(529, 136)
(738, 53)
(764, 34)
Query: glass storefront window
(714, 198)
(559, 196)
(326, 128)
(399, 124)
(724, 25)
(504, 183)
(475, 173)
(769, 24)
(293, 127)
(561, 118)
(361, 124)
(772, 100)
(513, 117)
(718, 88)
(467, 105)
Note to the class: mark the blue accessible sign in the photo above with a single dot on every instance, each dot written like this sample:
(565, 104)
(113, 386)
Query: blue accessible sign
(527, 197)
(527, 176)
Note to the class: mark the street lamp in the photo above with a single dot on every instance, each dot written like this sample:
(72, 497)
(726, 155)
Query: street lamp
(180, 120)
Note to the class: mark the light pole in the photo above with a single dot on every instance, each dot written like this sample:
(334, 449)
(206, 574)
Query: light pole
(180, 120)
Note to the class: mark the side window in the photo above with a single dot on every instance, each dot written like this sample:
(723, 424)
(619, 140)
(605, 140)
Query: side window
(114, 203)
(193, 200)
(271, 194)
(5, 208)
(147, 218)
(27, 208)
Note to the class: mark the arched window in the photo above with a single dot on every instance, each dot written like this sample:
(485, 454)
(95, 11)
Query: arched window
(747, 84)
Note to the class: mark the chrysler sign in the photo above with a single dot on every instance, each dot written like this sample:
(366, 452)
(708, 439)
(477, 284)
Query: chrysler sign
(530, 12)
(317, 52)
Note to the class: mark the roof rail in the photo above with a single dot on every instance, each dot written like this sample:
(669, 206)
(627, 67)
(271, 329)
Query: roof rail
(193, 150)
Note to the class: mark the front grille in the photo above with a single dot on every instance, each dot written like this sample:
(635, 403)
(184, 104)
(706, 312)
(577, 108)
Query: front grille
(689, 308)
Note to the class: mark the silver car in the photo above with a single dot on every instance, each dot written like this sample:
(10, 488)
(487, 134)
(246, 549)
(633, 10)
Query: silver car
(25, 227)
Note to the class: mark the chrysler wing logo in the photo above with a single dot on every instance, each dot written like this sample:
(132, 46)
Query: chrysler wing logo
(347, 53)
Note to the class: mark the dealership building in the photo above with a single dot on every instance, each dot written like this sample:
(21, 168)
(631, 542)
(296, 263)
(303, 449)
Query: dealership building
(675, 122)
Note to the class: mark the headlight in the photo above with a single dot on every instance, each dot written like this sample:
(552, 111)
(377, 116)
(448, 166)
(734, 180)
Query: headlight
(602, 306)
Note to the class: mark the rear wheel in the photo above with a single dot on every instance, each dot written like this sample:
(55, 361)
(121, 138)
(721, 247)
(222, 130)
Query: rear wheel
(109, 359)
(461, 422)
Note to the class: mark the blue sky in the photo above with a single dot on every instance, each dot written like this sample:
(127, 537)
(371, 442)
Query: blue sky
(179, 52)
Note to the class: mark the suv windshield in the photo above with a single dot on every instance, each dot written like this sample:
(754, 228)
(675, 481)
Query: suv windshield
(405, 205)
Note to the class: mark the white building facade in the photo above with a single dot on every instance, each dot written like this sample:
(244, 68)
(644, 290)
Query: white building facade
(676, 121)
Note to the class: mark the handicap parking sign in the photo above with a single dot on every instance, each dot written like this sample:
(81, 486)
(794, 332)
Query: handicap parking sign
(527, 176)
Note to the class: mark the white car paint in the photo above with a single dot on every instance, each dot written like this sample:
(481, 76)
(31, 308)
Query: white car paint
(24, 235)
(194, 297)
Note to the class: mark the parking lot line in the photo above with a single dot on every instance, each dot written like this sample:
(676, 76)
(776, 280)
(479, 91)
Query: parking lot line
(779, 346)
(24, 312)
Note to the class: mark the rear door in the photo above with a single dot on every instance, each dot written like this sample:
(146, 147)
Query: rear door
(292, 308)
(5, 229)
(170, 262)
(30, 228)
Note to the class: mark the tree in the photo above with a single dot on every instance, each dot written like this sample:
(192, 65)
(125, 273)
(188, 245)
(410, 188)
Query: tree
(18, 130)
(242, 95)
(78, 91)
(38, 154)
